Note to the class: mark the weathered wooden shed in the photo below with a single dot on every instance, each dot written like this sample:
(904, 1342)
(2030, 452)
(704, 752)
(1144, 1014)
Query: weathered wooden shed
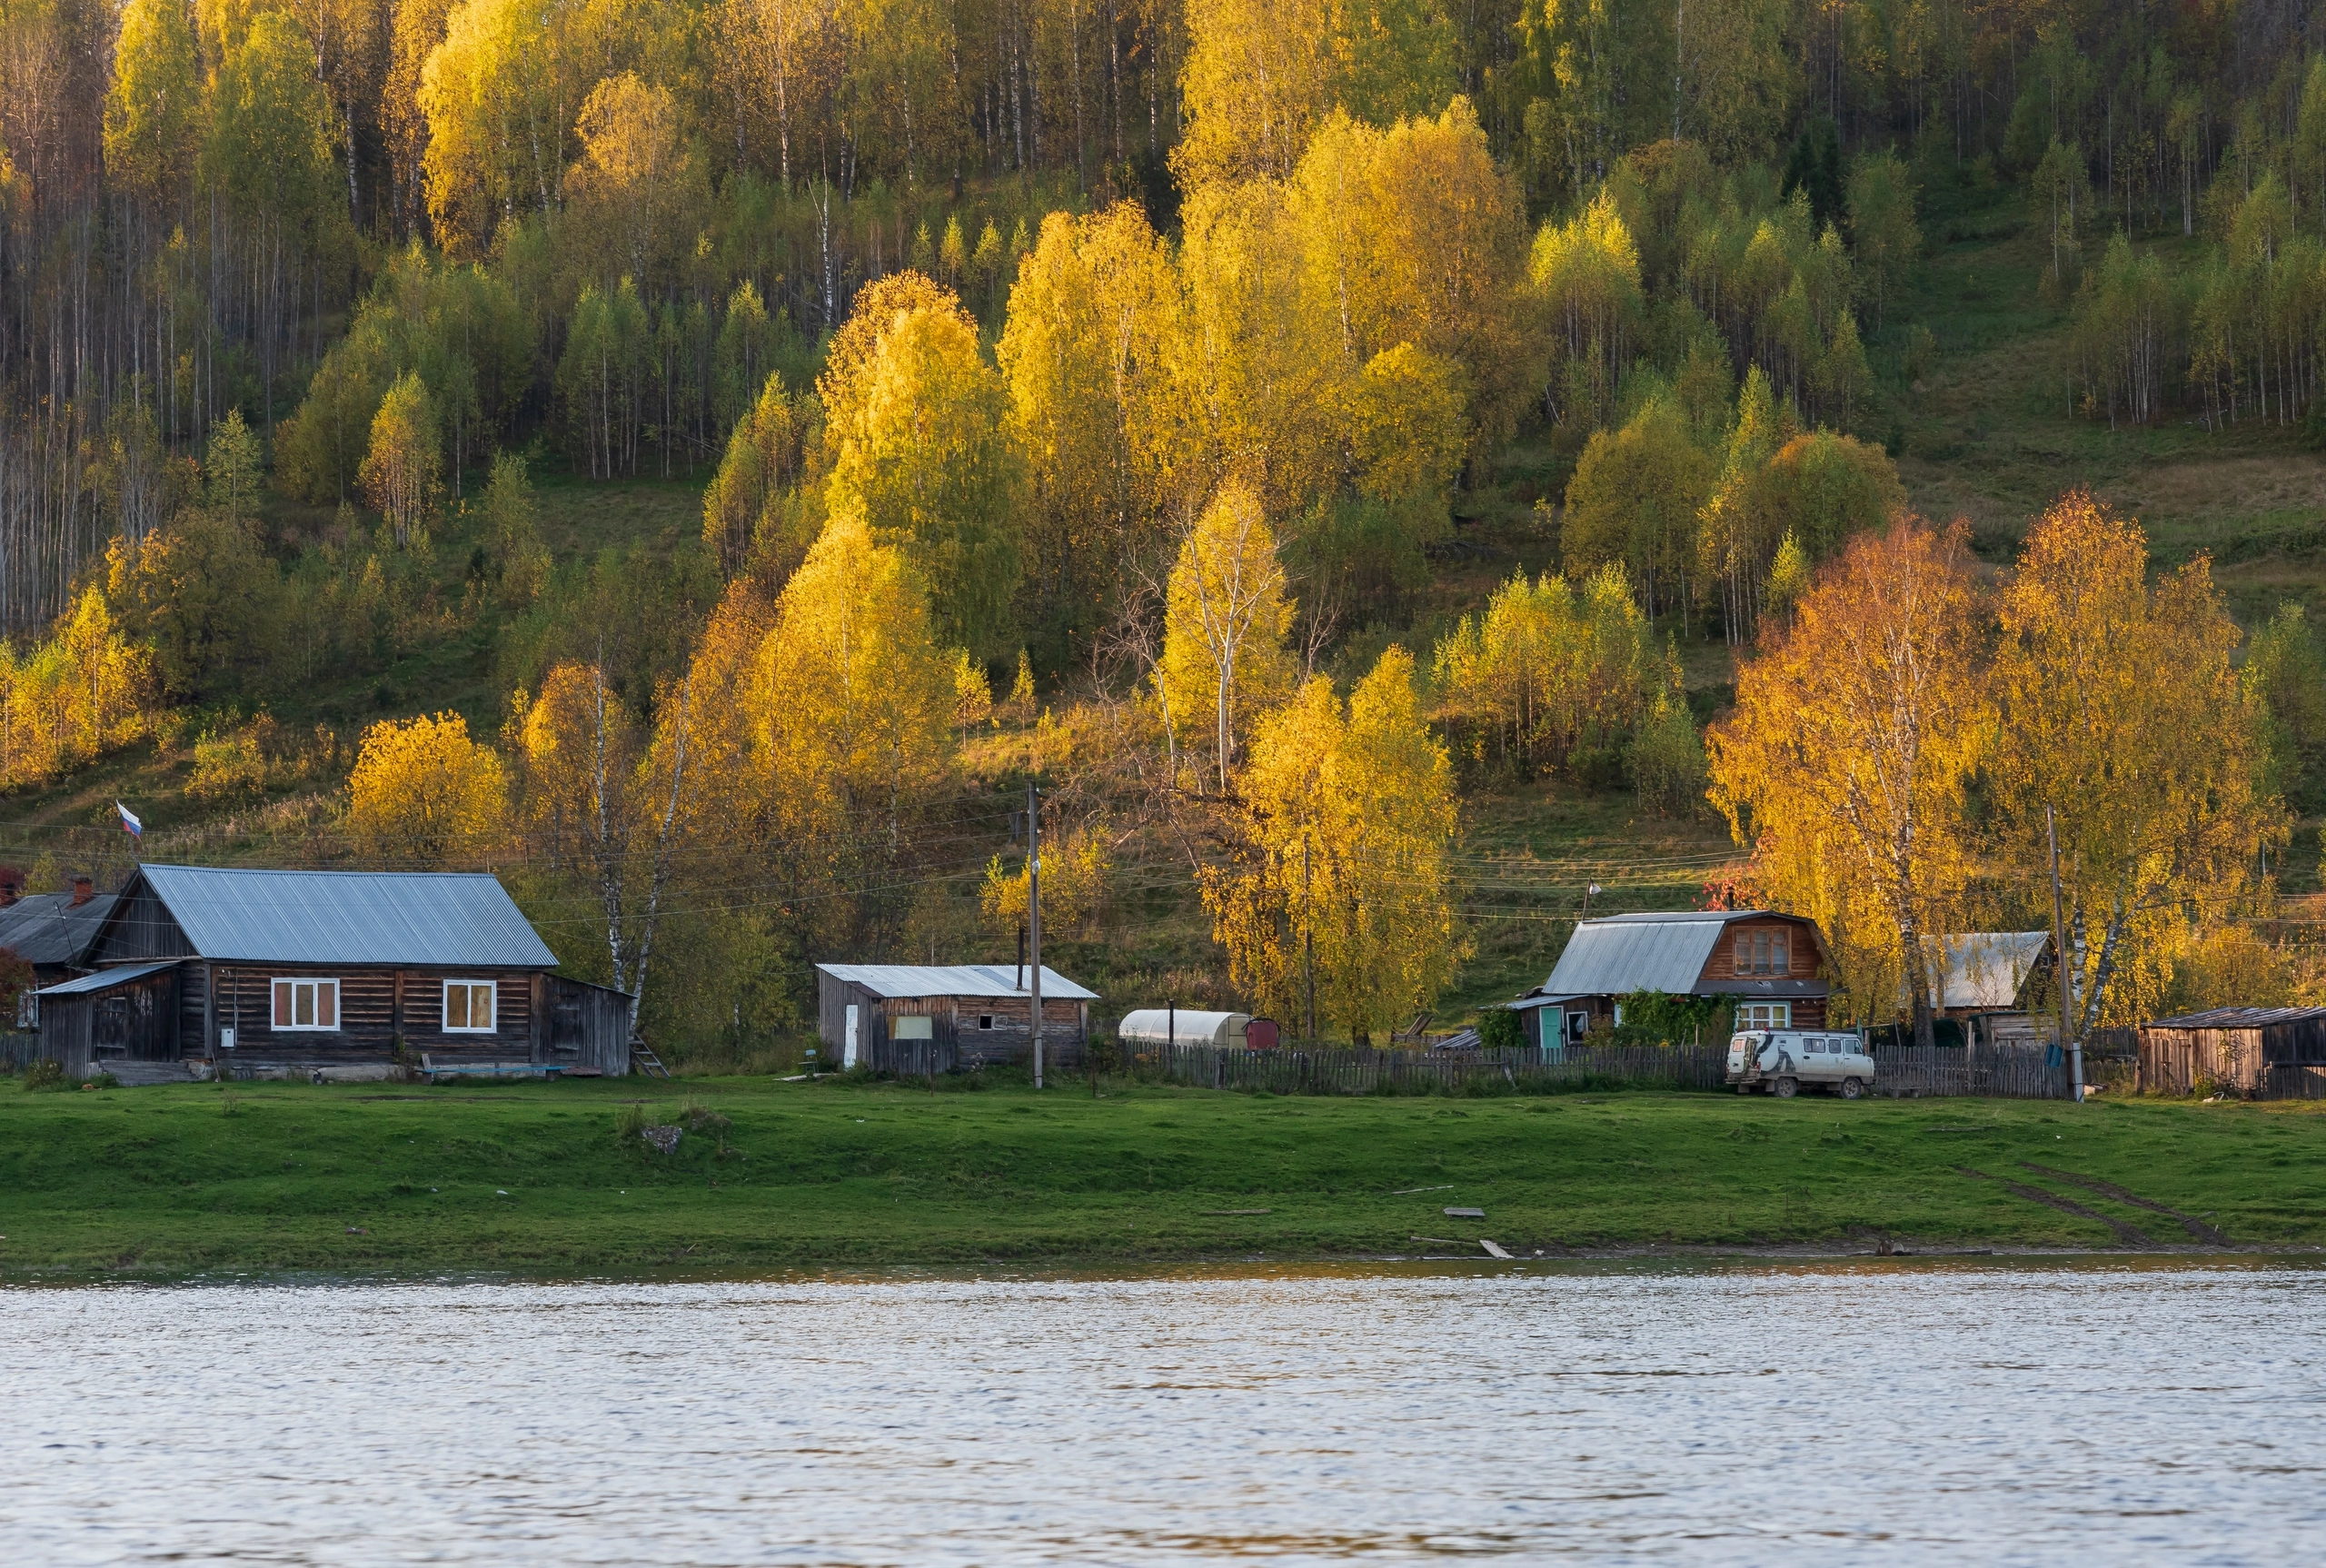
(982, 1012)
(2259, 1053)
(352, 973)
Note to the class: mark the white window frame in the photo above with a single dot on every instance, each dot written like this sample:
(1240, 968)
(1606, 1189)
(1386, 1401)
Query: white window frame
(491, 988)
(1764, 1016)
(313, 982)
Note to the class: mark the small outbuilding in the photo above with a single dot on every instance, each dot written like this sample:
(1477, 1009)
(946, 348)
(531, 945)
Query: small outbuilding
(1992, 982)
(351, 974)
(983, 1012)
(1771, 968)
(52, 932)
(2258, 1053)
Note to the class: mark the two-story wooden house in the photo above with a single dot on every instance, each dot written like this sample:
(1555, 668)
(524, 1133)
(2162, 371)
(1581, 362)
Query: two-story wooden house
(1771, 966)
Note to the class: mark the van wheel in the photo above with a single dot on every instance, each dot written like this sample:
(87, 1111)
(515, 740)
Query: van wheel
(1852, 1088)
(1786, 1088)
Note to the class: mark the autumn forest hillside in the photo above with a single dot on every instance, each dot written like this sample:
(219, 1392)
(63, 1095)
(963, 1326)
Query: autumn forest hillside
(1380, 472)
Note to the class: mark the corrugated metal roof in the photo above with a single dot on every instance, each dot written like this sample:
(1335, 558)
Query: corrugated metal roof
(2239, 1018)
(450, 920)
(105, 979)
(1626, 953)
(895, 980)
(1983, 970)
(49, 928)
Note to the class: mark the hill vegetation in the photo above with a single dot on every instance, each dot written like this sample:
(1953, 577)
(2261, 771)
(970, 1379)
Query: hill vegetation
(704, 460)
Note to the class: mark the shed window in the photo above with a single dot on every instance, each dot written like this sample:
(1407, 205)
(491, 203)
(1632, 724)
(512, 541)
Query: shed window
(468, 1006)
(306, 1004)
(912, 1026)
(985, 1020)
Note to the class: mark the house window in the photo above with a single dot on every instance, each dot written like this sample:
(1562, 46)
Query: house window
(468, 1006)
(1765, 1015)
(306, 1004)
(912, 1026)
(985, 1020)
(1578, 1024)
(1764, 953)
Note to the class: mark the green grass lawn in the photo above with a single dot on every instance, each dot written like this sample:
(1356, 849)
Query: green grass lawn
(280, 1177)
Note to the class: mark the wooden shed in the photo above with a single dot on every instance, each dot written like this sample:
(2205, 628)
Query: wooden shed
(977, 1015)
(356, 974)
(2258, 1053)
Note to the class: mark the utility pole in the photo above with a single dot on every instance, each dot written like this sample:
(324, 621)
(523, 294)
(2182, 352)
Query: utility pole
(1034, 917)
(1307, 941)
(2060, 954)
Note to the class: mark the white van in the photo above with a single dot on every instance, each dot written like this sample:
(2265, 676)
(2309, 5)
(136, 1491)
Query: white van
(1784, 1059)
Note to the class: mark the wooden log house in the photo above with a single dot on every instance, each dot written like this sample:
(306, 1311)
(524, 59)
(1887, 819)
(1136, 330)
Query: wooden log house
(982, 1014)
(352, 974)
(1771, 968)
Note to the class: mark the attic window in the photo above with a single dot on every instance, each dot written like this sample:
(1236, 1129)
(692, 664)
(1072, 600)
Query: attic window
(1764, 953)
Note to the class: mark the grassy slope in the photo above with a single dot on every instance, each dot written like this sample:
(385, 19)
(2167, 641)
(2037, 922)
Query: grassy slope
(536, 1175)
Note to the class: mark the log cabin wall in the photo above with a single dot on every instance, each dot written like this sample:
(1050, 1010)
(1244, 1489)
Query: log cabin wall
(376, 1007)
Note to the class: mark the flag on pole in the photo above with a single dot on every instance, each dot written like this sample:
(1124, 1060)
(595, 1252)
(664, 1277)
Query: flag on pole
(1597, 890)
(129, 822)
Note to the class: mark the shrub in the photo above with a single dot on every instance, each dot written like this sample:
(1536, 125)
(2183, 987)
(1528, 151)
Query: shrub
(1499, 1029)
(44, 1074)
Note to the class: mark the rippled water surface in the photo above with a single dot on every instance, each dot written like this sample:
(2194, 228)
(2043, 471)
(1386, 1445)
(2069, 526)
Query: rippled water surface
(2026, 1413)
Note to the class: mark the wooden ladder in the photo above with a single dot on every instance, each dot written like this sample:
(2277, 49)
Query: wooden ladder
(643, 1060)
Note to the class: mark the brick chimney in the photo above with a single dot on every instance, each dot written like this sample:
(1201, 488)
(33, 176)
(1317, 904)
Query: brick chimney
(83, 890)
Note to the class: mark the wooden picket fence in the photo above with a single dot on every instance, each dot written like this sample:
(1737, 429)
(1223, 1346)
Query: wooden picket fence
(1366, 1072)
(19, 1051)
(1990, 1072)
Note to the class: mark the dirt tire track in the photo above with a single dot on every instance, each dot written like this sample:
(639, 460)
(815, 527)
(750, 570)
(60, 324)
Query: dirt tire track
(2195, 1227)
(2129, 1235)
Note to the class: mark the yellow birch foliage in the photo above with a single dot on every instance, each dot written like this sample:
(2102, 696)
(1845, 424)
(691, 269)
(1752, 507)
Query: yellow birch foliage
(1084, 357)
(1226, 613)
(2121, 710)
(1551, 666)
(1351, 823)
(851, 694)
(1074, 884)
(75, 695)
(422, 791)
(1847, 760)
(923, 456)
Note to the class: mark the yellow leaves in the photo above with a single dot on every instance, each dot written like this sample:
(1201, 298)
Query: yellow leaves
(924, 459)
(1074, 884)
(1848, 758)
(1226, 613)
(851, 697)
(972, 692)
(1548, 670)
(1406, 423)
(76, 695)
(1345, 875)
(423, 791)
(2121, 710)
(400, 474)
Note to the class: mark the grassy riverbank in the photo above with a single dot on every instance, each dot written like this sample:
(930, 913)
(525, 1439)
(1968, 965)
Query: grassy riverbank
(540, 1176)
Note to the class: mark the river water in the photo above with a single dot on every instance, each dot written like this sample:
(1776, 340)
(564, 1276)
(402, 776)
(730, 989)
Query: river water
(2029, 1413)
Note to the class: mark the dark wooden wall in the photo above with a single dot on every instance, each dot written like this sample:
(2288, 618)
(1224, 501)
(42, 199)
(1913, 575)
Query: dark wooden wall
(584, 1026)
(953, 1022)
(1801, 942)
(376, 1006)
(141, 927)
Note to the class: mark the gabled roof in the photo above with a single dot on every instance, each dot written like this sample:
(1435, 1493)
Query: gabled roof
(1985, 971)
(909, 980)
(440, 920)
(106, 979)
(1619, 954)
(49, 928)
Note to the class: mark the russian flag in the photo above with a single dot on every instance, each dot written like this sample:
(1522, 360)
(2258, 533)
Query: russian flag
(129, 822)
